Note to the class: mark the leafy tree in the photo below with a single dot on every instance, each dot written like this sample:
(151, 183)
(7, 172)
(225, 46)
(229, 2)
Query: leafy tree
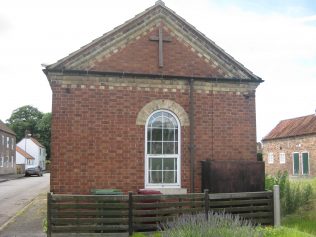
(28, 119)
(24, 119)
(43, 127)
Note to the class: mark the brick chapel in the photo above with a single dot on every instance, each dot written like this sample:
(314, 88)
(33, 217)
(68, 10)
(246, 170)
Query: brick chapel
(144, 104)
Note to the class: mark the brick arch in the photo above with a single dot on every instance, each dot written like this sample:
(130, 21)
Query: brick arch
(162, 104)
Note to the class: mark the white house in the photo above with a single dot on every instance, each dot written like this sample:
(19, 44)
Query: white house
(24, 159)
(35, 149)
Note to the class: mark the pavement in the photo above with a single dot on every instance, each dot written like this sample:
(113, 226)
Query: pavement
(7, 177)
(28, 221)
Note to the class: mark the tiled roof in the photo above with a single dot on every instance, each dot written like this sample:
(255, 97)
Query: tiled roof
(305, 125)
(23, 153)
(5, 128)
(88, 55)
(37, 142)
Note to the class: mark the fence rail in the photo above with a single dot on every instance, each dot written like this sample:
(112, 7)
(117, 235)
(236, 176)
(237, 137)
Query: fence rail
(98, 215)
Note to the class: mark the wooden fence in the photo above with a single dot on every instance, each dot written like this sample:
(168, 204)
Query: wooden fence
(121, 215)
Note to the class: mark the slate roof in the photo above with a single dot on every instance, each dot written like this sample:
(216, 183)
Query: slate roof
(24, 153)
(305, 125)
(79, 60)
(5, 128)
(37, 142)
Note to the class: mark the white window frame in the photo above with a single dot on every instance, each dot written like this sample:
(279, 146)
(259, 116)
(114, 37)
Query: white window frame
(12, 143)
(282, 158)
(270, 158)
(177, 156)
(301, 157)
(8, 142)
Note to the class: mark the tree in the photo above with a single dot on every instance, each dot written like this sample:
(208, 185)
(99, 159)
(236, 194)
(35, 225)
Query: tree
(29, 119)
(24, 119)
(43, 127)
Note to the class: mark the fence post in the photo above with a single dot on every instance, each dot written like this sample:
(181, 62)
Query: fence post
(206, 203)
(130, 213)
(49, 215)
(276, 205)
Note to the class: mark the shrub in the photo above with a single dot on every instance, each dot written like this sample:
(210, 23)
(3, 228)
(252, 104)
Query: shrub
(293, 194)
(218, 224)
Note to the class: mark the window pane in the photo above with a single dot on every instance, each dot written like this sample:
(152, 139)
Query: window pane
(149, 134)
(168, 134)
(168, 148)
(155, 176)
(149, 148)
(176, 148)
(176, 134)
(155, 163)
(157, 134)
(157, 123)
(156, 148)
(169, 176)
(169, 164)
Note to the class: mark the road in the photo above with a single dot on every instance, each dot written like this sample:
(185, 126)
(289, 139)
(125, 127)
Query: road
(16, 194)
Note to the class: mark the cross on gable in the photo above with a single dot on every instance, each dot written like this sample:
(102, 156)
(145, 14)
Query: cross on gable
(160, 40)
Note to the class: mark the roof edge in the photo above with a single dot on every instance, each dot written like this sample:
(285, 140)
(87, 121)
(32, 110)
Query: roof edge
(144, 75)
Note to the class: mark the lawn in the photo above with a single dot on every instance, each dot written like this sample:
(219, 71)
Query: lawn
(305, 218)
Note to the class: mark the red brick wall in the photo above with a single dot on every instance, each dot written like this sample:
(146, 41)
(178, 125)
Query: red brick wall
(97, 144)
(141, 56)
(289, 146)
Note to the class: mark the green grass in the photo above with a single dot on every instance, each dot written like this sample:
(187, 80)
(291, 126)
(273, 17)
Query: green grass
(304, 219)
(282, 232)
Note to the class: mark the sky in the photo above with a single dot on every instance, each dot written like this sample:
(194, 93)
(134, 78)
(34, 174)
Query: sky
(275, 39)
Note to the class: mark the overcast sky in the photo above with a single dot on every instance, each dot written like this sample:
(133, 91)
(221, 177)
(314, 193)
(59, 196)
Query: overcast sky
(273, 38)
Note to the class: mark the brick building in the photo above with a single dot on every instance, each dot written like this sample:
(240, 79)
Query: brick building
(142, 105)
(7, 150)
(291, 147)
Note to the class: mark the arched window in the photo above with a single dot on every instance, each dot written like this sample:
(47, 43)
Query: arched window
(162, 161)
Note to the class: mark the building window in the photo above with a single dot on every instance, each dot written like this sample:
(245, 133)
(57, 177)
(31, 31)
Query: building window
(1, 161)
(6, 161)
(270, 158)
(305, 163)
(12, 143)
(12, 160)
(8, 142)
(162, 161)
(282, 158)
(296, 163)
(2, 140)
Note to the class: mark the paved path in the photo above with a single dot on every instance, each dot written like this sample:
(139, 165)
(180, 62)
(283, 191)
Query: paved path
(16, 194)
(29, 222)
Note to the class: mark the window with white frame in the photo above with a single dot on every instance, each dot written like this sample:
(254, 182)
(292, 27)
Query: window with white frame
(162, 161)
(8, 142)
(2, 140)
(282, 158)
(270, 158)
(12, 160)
(12, 143)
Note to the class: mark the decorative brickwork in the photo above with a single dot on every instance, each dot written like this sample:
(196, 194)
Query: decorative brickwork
(162, 104)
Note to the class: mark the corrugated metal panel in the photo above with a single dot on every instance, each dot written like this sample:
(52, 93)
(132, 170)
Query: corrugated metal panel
(305, 125)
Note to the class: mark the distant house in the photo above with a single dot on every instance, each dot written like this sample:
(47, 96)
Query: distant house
(7, 150)
(35, 149)
(291, 147)
(23, 160)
